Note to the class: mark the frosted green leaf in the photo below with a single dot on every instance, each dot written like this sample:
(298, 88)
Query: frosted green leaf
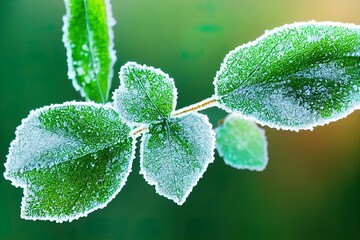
(71, 159)
(88, 38)
(294, 77)
(175, 153)
(145, 95)
(242, 143)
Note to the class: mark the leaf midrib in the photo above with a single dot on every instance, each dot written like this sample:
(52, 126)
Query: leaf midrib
(66, 136)
(90, 46)
(97, 162)
(46, 165)
(147, 95)
(286, 75)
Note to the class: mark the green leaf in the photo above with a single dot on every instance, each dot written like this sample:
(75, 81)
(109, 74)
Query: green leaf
(242, 143)
(175, 153)
(145, 95)
(88, 38)
(71, 159)
(294, 77)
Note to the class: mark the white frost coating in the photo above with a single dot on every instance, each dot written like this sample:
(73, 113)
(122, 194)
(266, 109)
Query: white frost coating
(67, 44)
(126, 108)
(162, 168)
(241, 145)
(31, 128)
(32, 117)
(112, 53)
(309, 127)
(320, 122)
(13, 164)
(32, 121)
(85, 213)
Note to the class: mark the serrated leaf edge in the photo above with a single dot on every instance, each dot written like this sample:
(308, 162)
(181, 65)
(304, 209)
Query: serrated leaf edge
(199, 176)
(310, 127)
(36, 112)
(123, 88)
(24, 186)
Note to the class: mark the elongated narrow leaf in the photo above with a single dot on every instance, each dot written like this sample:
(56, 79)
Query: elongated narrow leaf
(71, 159)
(145, 95)
(242, 143)
(294, 77)
(175, 153)
(88, 38)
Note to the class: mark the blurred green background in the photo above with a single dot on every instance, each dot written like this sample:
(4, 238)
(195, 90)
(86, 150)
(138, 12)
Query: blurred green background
(311, 188)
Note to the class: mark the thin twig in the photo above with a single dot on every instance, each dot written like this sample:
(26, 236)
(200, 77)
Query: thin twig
(139, 130)
(196, 107)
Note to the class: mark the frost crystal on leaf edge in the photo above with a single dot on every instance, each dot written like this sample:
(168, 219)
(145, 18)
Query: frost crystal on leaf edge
(310, 127)
(34, 113)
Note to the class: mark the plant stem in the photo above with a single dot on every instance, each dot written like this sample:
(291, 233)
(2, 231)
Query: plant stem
(207, 103)
(139, 130)
(204, 104)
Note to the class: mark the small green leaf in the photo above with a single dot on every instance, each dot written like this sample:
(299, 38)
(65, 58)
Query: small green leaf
(175, 153)
(294, 77)
(145, 95)
(71, 159)
(242, 143)
(88, 38)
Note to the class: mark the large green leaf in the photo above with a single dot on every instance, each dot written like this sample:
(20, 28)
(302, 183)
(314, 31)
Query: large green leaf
(294, 77)
(88, 38)
(242, 143)
(145, 95)
(71, 159)
(175, 153)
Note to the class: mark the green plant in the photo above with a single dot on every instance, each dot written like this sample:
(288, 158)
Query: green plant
(73, 158)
